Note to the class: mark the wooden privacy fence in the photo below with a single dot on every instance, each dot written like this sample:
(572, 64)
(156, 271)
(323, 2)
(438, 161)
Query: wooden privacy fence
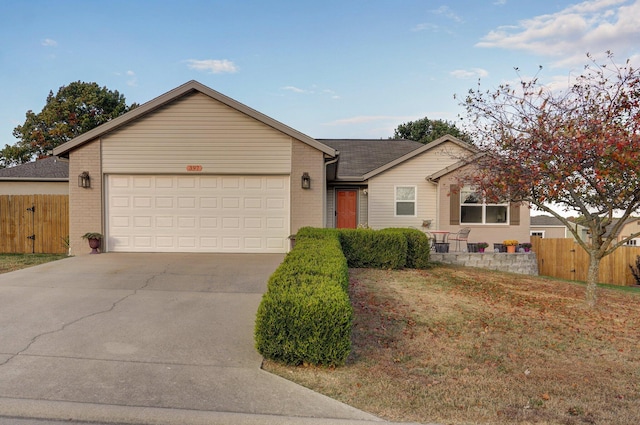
(565, 259)
(34, 224)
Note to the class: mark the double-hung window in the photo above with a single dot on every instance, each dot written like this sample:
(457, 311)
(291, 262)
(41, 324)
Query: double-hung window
(474, 209)
(405, 201)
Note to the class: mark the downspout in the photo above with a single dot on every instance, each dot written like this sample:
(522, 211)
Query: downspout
(328, 162)
(436, 183)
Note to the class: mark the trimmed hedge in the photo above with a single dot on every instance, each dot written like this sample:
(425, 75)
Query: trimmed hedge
(418, 247)
(374, 248)
(306, 315)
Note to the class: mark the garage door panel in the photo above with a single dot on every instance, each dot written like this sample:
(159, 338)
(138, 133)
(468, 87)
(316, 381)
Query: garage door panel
(223, 213)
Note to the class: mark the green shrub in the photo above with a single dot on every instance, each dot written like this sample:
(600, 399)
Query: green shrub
(310, 323)
(418, 247)
(305, 315)
(316, 233)
(374, 248)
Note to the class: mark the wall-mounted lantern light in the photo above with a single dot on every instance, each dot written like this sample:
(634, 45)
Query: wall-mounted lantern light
(306, 181)
(84, 180)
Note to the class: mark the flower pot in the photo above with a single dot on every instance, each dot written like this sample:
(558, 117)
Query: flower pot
(481, 250)
(511, 249)
(527, 250)
(94, 244)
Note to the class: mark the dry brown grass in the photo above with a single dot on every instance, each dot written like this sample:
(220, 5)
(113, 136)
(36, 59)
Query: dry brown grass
(468, 346)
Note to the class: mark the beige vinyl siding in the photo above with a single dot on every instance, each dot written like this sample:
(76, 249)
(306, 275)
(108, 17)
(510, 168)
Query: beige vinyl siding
(381, 213)
(197, 130)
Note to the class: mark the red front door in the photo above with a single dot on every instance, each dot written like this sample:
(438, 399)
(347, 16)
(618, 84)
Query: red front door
(347, 201)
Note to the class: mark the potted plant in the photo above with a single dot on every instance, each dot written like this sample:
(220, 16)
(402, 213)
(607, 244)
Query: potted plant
(511, 245)
(94, 239)
(482, 246)
(526, 246)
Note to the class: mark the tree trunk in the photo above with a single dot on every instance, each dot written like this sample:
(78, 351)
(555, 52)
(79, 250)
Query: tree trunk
(592, 279)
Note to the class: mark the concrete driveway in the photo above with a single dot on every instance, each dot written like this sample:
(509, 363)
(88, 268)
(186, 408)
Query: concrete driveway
(145, 338)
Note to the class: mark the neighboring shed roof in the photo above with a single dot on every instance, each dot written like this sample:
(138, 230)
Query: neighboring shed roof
(545, 220)
(46, 169)
(360, 156)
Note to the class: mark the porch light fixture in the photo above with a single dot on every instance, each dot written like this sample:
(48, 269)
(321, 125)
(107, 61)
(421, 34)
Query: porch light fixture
(84, 180)
(306, 181)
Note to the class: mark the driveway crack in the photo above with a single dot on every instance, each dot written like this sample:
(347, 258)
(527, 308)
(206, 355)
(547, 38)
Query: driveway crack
(87, 316)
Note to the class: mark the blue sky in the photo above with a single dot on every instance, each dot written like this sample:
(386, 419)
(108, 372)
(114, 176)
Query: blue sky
(330, 69)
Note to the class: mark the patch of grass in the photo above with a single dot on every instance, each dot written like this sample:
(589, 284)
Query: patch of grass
(460, 345)
(13, 262)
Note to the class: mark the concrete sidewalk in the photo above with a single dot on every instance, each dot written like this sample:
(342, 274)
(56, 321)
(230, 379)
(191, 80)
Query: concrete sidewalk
(146, 339)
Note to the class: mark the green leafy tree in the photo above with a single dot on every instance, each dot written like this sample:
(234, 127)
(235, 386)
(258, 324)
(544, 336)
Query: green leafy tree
(578, 149)
(426, 131)
(74, 110)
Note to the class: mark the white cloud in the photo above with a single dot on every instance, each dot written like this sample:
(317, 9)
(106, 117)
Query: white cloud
(363, 119)
(442, 11)
(295, 89)
(425, 27)
(593, 26)
(48, 42)
(213, 66)
(132, 80)
(331, 94)
(313, 90)
(448, 13)
(465, 74)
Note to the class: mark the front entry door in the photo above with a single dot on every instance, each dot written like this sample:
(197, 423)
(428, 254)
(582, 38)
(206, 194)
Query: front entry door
(347, 202)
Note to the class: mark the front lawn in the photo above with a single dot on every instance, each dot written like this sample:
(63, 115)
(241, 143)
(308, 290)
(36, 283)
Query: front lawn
(12, 262)
(469, 346)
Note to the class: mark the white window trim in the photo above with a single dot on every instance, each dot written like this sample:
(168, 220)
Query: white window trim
(484, 206)
(396, 200)
(533, 232)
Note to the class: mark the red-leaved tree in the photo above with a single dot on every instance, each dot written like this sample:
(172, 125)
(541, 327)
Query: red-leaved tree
(578, 148)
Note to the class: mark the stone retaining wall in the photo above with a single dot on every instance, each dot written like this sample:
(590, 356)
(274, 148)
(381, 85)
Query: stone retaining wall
(522, 263)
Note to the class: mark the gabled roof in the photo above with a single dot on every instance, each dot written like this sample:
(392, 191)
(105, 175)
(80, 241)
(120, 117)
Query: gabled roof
(358, 157)
(361, 159)
(424, 148)
(45, 169)
(170, 96)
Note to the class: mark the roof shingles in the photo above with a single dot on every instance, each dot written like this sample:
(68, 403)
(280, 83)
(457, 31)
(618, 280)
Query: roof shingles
(360, 156)
(45, 168)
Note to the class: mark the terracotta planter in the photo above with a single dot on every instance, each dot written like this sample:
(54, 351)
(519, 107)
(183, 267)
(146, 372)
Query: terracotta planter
(94, 244)
(511, 249)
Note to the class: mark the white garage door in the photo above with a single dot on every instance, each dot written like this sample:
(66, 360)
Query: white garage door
(197, 213)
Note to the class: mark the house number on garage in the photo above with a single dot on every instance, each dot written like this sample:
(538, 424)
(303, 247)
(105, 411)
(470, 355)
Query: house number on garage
(194, 167)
